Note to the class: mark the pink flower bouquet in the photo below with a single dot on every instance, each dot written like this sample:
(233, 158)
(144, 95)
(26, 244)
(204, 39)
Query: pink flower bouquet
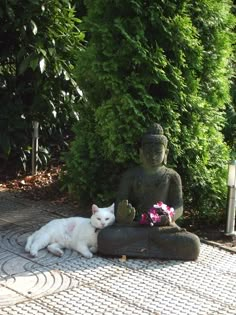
(155, 214)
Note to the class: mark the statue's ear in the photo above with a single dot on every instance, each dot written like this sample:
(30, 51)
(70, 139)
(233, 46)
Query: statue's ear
(166, 155)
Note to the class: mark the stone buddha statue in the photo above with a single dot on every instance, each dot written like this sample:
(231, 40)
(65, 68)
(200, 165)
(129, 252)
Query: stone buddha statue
(140, 188)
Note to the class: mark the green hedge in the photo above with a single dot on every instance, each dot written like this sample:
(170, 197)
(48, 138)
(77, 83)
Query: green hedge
(38, 43)
(161, 61)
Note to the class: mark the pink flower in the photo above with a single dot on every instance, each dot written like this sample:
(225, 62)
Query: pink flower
(164, 207)
(152, 210)
(144, 219)
(154, 214)
(159, 204)
(155, 217)
(169, 210)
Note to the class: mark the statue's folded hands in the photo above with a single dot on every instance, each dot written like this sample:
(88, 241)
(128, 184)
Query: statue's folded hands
(125, 212)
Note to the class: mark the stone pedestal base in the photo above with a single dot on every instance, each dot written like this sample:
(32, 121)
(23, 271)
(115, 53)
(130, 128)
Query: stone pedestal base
(168, 242)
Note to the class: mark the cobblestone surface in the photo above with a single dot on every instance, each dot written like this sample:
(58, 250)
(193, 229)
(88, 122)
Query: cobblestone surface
(75, 285)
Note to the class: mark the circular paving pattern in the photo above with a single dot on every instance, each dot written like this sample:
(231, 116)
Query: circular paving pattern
(75, 285)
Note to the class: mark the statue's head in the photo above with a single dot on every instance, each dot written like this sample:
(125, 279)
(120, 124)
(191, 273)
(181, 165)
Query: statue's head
(155, 134)
(153, 147)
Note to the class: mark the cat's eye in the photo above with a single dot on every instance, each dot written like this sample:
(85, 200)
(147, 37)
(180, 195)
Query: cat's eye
(107, 219)
(99, 219)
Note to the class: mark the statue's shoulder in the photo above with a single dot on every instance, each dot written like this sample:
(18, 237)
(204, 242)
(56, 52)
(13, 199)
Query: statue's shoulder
(173, 174)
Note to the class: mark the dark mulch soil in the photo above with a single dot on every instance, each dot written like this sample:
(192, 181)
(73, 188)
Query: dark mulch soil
(216, 235)
(45, 186)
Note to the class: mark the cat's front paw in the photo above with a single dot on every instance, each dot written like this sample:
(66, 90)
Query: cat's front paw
(27, 248)
(55, 250)
(88, 255)
(93, 249)
(34, 253)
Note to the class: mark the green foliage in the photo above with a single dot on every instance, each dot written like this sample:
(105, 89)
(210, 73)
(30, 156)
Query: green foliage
(230, 127)
(38, 44)
(162, 61)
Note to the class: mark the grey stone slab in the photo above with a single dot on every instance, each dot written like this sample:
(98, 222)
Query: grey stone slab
(14, 237)
(63, 210)
(15, 196)
(28, 308)
(119, 287)
(144, 264)
(218, 258)
(86, 300)
(4, 224)
(10, 201)
(88, 271)
(12, 204)
(9, 297)
(204, 277)
(157, 295)
(101, 285)
(199, 279)
(225, 311)
(26, 216)
(37, 283)
(11, 264)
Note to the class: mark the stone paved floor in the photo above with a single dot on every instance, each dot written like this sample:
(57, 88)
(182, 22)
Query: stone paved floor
(75, 285)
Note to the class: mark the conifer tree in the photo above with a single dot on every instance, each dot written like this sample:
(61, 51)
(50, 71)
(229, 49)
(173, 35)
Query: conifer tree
(154, 61)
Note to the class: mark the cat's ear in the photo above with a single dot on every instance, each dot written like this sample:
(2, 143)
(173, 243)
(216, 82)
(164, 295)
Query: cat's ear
(94, 208)
(112, 208)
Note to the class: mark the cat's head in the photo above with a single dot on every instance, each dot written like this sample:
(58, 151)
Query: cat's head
(102, 217)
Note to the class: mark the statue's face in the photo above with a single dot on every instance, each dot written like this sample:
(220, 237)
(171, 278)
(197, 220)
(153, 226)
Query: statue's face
(153, 154)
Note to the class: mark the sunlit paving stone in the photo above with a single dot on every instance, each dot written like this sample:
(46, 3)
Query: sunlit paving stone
(34, 284)
(72, 284)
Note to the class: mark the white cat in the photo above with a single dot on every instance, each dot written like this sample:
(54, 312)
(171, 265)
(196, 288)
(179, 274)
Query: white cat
(75, 233)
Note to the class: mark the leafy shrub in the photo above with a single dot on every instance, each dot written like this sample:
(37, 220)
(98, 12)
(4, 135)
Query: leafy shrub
(38, 43)
(146, 61)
